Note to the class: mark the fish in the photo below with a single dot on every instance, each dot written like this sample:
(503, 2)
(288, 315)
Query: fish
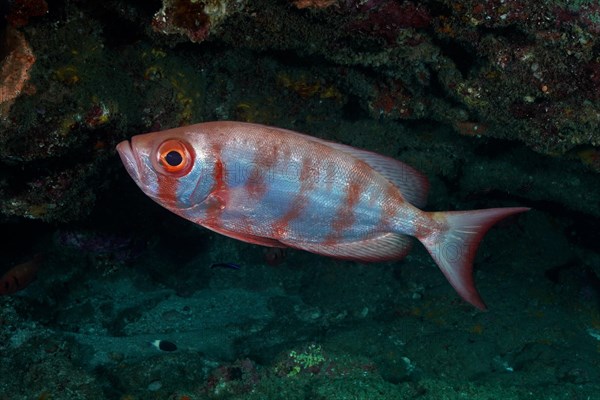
(279, 188)
(20, 276)
(229, 265)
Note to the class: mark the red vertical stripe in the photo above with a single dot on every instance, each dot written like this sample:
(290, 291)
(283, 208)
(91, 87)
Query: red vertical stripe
(261, 170)
(345, 215)
(218, 192)
(167, 189)
(309, 177)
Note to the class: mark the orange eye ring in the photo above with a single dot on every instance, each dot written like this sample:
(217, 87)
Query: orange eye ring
(174, 157)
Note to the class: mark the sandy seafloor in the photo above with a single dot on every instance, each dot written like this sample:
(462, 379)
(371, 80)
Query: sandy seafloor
(309, 327)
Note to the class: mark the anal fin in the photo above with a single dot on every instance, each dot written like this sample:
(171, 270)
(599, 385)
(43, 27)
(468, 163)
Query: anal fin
(385, 247)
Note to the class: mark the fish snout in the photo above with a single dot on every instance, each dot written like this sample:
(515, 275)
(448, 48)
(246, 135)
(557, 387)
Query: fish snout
(128, 159)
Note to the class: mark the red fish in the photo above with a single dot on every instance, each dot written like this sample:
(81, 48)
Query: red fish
(280, 188)
(20, 276)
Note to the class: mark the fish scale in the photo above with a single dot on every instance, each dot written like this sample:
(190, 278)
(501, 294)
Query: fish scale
(279, 188)
(299, 197)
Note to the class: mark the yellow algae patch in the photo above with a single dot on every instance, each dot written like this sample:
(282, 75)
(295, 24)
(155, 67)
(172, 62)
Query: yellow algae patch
(477, 329)
(305, 87)
(68, 74)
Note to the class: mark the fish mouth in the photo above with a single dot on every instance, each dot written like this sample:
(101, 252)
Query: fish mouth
(129, 159)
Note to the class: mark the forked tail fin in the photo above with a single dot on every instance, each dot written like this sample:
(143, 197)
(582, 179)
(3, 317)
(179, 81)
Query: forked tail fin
(454, 247)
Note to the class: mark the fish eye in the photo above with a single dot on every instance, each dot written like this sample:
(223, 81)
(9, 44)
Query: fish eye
(174, 157)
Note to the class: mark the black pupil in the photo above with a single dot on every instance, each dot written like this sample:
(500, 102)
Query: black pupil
(173, 158)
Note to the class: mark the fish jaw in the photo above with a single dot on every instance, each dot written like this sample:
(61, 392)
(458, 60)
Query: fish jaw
(129, 159)
(135, 156)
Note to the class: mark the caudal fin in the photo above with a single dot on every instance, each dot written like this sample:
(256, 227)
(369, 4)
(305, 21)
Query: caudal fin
(454, 247)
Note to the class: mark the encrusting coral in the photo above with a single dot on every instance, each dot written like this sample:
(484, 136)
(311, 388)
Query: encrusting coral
(14, 70)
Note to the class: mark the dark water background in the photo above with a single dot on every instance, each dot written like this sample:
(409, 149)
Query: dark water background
(119, 274)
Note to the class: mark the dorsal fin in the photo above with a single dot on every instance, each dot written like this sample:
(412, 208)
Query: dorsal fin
(412, 184)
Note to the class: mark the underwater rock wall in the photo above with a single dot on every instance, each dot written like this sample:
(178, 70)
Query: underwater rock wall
(84, 76)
